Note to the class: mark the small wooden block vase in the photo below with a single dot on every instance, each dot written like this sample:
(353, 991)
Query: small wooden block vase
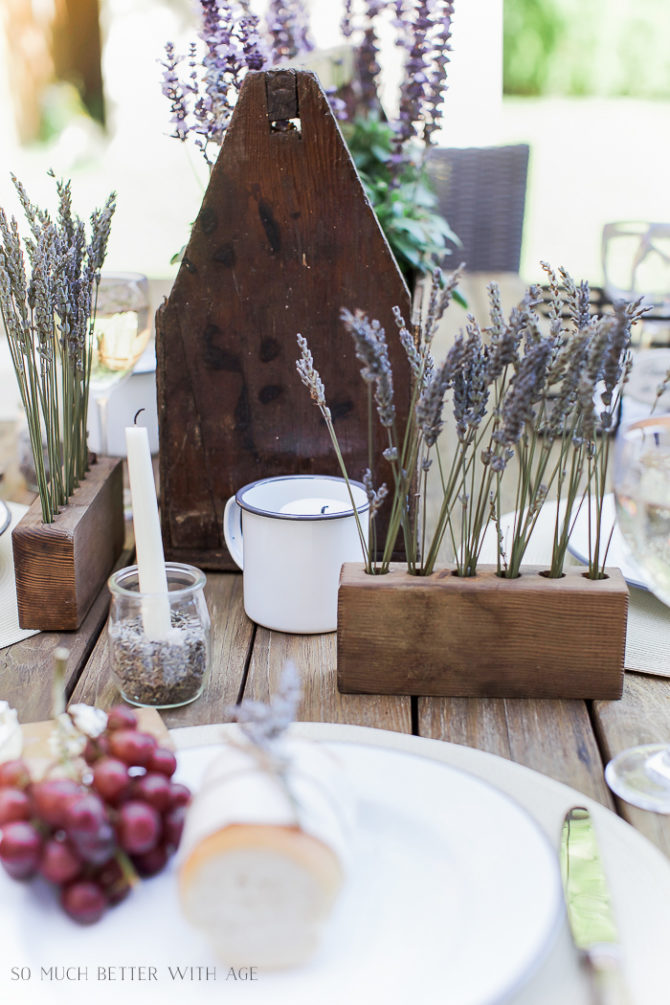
(443, 635)
(60, 567)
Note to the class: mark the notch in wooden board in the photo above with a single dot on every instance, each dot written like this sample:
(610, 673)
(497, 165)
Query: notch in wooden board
(281, 89)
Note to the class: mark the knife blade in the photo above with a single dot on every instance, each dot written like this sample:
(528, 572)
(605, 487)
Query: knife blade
(589, 908)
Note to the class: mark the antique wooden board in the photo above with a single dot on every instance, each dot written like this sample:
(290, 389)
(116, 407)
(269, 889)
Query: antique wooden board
(284, 239)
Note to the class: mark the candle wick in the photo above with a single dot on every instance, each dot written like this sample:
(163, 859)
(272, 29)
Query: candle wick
(324, 508)
(138, 412)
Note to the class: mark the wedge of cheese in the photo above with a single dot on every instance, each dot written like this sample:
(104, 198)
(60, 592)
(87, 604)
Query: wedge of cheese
(264, 853)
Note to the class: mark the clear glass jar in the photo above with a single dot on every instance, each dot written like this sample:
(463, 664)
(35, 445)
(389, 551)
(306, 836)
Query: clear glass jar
(158, 643)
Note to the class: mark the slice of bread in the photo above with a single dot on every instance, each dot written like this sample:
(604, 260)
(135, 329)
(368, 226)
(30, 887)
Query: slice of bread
(264, 852)
(260, 893)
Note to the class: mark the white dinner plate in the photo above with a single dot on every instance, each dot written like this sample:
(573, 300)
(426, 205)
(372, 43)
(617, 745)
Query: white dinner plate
(618, 555)
(5, 516)
(453, 897)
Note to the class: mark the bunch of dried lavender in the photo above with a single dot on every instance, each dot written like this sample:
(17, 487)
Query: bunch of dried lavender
(547, 398)
(559, 424)
(407, 448)
(203, 85)
(48, 318)
(611, 359)
(229, 45)
(233, 40)
(549, 420)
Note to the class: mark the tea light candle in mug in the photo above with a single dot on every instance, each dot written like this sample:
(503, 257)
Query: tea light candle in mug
(315, 507)
(148, 540)
(290, 535)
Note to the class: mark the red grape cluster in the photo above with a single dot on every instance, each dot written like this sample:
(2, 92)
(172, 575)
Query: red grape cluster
(93, 837)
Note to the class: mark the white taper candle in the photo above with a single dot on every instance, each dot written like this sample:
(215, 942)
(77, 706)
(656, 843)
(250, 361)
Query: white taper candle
(148, 540)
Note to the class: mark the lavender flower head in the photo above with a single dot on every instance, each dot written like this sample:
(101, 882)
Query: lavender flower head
(430, 405)
(425, 33)
(371, 349)
(375, 496)
(524, 392)
(265, 724)
(288, 25)
(202, 101)
(471, 382)
(310, 376)
(617, 358)
(414, 357)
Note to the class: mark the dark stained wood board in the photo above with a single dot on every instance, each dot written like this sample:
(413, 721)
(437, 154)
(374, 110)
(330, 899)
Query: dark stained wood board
(284, 239)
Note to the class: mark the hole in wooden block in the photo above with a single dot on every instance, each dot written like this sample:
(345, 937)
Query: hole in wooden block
(285, 126)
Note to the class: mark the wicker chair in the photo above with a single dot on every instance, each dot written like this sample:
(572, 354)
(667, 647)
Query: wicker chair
(482, 194)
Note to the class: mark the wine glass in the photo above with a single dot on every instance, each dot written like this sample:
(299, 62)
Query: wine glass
(641, 775)
(636, 262)
(120, 335)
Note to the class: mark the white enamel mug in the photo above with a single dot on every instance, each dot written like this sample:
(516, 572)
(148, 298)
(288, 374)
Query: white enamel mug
(290, 536)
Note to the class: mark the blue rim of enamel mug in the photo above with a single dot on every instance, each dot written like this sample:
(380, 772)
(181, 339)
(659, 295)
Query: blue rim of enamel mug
(239, 498)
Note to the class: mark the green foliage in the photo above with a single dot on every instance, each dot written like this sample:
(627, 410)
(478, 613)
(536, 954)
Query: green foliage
(612, 48)
(405, 205)
(532, 30)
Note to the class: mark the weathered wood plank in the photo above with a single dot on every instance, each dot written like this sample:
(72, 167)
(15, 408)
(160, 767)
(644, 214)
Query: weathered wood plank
(551, 736)
(530, 637)
(26, 668)
(314, 657)
(60, 567)
(232, 635)
(284, 239)
(642, 716)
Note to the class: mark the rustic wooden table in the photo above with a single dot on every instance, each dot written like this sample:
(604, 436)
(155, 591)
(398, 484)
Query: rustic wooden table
(567, 740)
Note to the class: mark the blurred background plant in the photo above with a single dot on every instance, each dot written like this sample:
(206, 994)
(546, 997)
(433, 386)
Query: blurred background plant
(611, 48)
(617, 48)
(389, 151)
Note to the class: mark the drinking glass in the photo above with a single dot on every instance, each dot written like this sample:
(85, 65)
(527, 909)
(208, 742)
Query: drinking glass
(641, 775)
(120, 335)
(636, 262)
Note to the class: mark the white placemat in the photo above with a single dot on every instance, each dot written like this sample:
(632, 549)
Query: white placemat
(648, 632)
(9, 615)
(648, 635)
(638, 873)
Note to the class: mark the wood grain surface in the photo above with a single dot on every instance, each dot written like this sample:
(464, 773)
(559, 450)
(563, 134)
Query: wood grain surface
(642, 716)
(231, 639)
(315, 658)
(26, 667)
(443, 635)
(553, 737)
(60, 567)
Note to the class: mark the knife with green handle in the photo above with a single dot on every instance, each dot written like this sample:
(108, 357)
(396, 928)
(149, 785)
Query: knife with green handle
(589, 908)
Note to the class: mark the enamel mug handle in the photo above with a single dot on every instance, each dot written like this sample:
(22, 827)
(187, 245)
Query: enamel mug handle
(232, 530)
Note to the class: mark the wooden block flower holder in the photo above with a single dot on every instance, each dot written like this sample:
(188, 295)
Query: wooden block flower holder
(443, 635)
(60, 567)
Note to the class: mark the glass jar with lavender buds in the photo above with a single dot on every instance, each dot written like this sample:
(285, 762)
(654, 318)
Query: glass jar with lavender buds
(159, 642)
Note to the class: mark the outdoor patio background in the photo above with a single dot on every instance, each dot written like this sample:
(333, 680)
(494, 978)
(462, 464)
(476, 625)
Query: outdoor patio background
(593, 159)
